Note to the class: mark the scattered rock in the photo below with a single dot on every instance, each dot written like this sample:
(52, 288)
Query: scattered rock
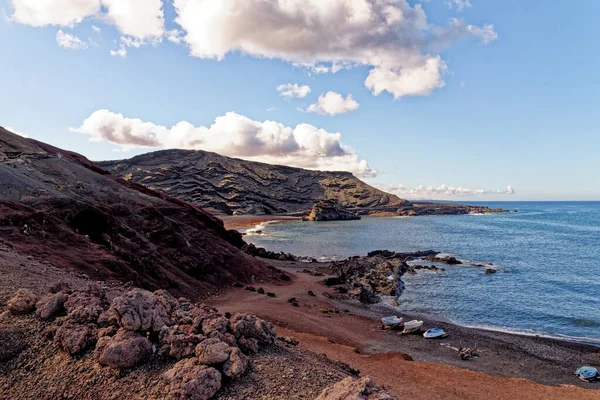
(261, 290)
(355, 389)
(22, 302)
(50, 305)
(238, 285)
(86, 305)
(271, 294)
(191, 381)
(124, 350)
(311, 293)
(251, 288)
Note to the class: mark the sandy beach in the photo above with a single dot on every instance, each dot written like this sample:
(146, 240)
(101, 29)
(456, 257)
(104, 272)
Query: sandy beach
(239, 222)
(509, 366)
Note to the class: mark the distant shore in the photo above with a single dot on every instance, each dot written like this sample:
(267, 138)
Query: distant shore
(350, 332)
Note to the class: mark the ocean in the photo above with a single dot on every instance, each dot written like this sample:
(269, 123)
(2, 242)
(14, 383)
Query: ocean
(547, 256)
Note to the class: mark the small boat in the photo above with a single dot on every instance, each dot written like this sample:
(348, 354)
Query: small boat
(587, 373)
(434, 333)
(412, 326)
(391, 321)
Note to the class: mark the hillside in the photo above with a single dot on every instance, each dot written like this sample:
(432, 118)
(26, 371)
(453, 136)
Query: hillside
(230, 186)
(233, 186)
(58, 207)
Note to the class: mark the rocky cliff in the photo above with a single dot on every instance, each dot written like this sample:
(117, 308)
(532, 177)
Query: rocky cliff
(232, 186)
(58, 207)
(330, 210)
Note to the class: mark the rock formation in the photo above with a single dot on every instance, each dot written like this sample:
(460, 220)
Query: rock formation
(139, 325)
(330, 210)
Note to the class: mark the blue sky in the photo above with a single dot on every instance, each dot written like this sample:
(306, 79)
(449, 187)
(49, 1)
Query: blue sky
(520, 110)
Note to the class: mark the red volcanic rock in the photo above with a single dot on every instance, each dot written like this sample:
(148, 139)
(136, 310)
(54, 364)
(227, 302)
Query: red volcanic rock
(141, 310)
(76, 338)
(192, 381)
(22, 302)
(65, 210)
(124, 350)
(51, 304)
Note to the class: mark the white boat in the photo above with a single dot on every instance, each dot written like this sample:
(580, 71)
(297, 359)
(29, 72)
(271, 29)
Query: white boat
(434, 333)
(412, 325)
(391, 321)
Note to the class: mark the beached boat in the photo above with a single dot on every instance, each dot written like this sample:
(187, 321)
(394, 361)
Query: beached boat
(587, 373)
(434, 333)
(412, 326)
(391, 321)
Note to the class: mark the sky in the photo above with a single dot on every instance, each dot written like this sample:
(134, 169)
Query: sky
(439, 99)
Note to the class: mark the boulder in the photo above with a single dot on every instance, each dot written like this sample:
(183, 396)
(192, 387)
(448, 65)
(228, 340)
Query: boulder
(76, 338)
(86, 305)
(124, 350)
(249, 326)
(141, 310)
(355, 389)
(368, 296)
(237, 363)
(191, 381)
(178, 343)
(248, 345)
(212, 351)
(50, 305)
(22, 302)
(215, 324)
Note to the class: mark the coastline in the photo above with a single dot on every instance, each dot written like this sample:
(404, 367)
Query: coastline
(236, 222)
(355, 329)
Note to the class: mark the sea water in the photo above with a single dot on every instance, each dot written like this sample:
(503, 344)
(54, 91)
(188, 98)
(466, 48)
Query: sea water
(547, 258)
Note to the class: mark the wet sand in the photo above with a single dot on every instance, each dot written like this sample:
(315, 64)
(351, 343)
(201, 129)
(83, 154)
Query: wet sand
(510, 366)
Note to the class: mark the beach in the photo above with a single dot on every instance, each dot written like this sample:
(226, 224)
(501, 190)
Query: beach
(509, 366)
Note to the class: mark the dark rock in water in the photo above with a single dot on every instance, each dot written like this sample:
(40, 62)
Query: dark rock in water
(490, 271)
(450, 260)
(330, 210)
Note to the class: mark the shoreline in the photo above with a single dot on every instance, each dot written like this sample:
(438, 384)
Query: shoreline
(507, 359)
(237, 222)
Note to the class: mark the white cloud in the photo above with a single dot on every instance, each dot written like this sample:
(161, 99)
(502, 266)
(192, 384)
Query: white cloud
(53, 12)
(392, 38)
(290, 91)
(16, 132)
(125, 43)
(96, 29)
(333, 103)
(141, 19)
(272, 108)
(233, 135)
(459, 4)
(441, 192)
(174, 35)
(69, 41)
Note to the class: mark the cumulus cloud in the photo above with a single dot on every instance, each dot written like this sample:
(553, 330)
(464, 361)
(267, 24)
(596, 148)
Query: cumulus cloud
(233, 135)
(125, 43)
(290, 91)
(392, 38)
(441, 192)
(134, 18)
(69, 41)
(96, 29)
(333, 103)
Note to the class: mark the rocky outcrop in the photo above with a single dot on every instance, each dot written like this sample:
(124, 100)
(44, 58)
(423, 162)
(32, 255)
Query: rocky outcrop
(65, 210)
(51, 304)
(139, 326)
(355, 389)
(365, 278)
(330, 210)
